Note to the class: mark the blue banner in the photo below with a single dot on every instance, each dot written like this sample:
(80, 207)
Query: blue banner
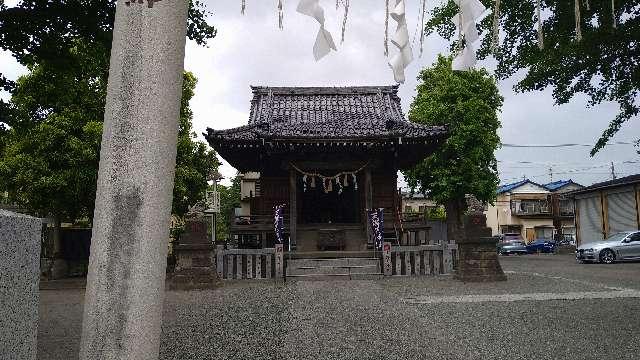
(278, 223)
(376, 221)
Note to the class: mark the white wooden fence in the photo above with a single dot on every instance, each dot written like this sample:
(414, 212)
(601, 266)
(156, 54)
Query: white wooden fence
(434, 259)
(236, 264)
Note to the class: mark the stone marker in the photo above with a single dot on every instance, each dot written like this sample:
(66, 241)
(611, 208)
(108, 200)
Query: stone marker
(194, 252)
(19, 280)
(386, 259)
(477, 255)
(125, 284)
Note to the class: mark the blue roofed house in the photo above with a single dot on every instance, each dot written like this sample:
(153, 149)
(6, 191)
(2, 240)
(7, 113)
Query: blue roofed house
(535, 211)
(562, 208)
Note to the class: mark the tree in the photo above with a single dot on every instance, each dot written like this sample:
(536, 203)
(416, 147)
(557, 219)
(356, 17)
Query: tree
(603, 64)
(229, 200)
(66, 46)
(194, 160)
(50, 162)
(466, 102)
(37, 31)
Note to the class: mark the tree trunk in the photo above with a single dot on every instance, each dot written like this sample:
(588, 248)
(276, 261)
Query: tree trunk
(57, 237)
(456, 209)
(58, 265)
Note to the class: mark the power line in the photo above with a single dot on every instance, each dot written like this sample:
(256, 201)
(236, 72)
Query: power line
(563, 145)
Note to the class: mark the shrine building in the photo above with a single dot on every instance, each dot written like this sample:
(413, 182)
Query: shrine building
(327, 154)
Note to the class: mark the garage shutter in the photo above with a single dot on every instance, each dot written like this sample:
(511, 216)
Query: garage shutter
(622, 212)
(590, 220)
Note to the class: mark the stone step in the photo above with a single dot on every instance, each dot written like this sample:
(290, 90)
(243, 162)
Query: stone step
(340, 262)
(333, 270)
(320, 277)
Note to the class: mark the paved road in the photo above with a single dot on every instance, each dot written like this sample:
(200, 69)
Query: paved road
(550, 308)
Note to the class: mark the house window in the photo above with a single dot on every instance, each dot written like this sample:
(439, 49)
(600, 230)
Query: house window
(421, 208)
(408, 209)
(544, 233)
(566, 207)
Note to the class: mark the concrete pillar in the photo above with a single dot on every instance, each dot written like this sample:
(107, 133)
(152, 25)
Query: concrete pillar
(125, 284)
(19, 283)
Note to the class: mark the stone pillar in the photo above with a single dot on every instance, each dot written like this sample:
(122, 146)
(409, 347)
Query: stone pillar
(477, 255)
(19, 282)
(125, 284)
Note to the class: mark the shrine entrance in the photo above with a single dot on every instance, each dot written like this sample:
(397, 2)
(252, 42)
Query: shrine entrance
(319, 206)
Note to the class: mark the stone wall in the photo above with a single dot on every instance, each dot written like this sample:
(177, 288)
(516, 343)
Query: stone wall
(19, 281)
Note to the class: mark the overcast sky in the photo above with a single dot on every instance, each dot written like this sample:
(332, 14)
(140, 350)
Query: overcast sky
(251, 50)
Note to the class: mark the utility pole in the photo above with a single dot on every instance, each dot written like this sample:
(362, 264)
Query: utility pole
(613, 171)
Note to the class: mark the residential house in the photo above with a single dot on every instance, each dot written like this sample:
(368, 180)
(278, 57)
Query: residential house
(562, 208)
(606, 208)
(416, 203)
(249, 189)
(522, 207)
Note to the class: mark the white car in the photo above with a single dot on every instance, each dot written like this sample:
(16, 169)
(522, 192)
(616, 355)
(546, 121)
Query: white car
(621, 246)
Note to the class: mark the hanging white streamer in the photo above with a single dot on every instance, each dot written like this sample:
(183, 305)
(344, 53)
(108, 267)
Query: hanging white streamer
(280, 15)
(324, 41)
(495, 38)
(540, 34)
(400, 39)
(470, 12)
(578, 27)
(613, 14)
(386, 29)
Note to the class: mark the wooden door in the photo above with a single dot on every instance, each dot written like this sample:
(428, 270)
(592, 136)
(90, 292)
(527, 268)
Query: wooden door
(531, 234)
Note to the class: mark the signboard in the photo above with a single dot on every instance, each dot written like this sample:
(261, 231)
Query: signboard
(212, 200)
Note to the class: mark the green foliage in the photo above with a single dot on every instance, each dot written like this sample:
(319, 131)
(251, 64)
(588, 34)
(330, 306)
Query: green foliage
(194, 160)
(467, 103)
(603, 65)
(49, 164)
(49, 160)
(229, 200)
(437, 213)
(50, 132)
(37, 31)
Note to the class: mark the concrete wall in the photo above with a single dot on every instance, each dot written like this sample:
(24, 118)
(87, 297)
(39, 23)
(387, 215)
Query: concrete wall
(19, 282)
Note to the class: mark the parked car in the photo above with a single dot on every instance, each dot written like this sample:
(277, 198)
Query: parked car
(512, 247)
(621, 246)
(511, 237)
(541, 246)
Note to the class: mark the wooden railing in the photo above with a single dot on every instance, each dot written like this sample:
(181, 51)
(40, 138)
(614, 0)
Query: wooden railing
(236, 264)
(420, 260)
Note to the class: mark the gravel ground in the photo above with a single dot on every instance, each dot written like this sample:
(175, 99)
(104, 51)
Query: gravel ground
(370, 320)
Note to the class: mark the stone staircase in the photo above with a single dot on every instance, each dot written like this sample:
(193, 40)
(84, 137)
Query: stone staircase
(333, 269)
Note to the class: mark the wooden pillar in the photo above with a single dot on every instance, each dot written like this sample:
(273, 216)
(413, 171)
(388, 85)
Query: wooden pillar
(293, 213)
(368, 200)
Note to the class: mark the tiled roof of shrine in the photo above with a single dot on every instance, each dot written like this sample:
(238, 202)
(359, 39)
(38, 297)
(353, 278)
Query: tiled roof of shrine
(353, 113)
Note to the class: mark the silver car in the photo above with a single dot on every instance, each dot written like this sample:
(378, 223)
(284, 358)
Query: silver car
(621, 246)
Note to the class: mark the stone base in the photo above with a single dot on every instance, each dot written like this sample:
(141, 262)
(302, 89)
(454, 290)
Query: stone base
(195, 268)
(478, 261)
(193, 279)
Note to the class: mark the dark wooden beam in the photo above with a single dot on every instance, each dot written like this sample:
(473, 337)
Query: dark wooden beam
(293, 213)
